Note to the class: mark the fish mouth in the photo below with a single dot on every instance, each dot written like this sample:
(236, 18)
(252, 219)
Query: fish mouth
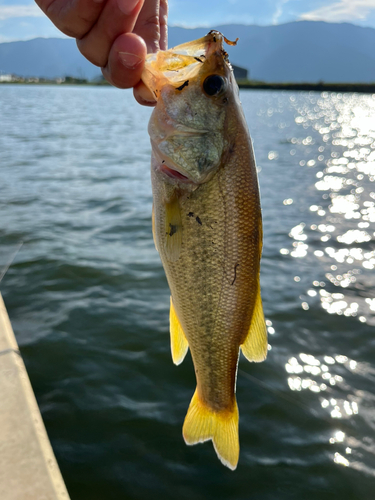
(173, 174)
(162, 164)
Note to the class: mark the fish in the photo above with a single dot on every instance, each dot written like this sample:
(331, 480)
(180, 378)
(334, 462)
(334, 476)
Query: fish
(207, 228)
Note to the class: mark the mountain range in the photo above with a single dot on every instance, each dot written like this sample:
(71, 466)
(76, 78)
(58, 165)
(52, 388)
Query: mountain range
(302, 51)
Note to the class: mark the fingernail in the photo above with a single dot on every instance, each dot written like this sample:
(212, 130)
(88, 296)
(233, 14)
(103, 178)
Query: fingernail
(127, 6)
(129, 60)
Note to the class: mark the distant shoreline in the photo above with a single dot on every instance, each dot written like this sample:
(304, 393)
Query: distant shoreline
(366, 88)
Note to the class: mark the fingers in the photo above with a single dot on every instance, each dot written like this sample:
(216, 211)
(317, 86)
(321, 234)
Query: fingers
(152, 24)
(126, 58)
(117, 17)
(125, 65)
(148, 26)
(115, 35)
(163, 21)
(152, 27)
(73, 17)
(143, 95)
(125, 61)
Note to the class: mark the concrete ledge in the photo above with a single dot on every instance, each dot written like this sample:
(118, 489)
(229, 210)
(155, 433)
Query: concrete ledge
(28, 467)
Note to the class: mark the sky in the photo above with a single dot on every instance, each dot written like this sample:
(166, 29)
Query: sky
(23, 20)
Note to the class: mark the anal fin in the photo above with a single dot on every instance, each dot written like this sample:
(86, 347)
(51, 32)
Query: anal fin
(202, 423)
(255, 345)
(179, 344)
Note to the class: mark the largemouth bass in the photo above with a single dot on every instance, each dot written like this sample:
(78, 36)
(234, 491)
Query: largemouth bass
(207, 229)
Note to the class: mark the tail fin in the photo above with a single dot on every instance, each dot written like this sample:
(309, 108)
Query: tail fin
(202, 423)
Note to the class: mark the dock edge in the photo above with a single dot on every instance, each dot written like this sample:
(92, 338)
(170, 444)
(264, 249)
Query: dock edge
(28, 467)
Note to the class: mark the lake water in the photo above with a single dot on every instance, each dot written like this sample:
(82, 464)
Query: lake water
(89, 302)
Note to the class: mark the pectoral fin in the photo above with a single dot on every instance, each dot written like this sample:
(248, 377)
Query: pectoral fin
(179, 344)
(173, 230)
(255, 345)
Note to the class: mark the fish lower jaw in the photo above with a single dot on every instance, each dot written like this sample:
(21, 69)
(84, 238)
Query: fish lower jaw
(172, 173)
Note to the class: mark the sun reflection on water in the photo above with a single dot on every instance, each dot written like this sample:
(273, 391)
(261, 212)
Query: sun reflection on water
(342, 145)
(338, 234)
(307, 372)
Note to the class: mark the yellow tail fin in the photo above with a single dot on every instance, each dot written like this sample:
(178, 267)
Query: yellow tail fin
(202, 423)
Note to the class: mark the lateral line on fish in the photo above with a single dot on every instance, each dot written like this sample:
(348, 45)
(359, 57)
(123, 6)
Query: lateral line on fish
(10, 262)
(224, 277)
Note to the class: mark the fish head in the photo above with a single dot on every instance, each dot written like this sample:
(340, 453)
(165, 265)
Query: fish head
(194, 87)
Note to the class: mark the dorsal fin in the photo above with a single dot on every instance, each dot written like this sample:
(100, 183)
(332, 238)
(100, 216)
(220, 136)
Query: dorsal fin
(255, 344)
(173, 230)
(179, 344)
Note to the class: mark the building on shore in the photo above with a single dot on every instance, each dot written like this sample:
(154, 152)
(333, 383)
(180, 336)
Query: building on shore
(240, 73)
(6, 78)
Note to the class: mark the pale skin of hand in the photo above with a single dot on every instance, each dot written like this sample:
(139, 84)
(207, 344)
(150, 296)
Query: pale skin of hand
(115, 35)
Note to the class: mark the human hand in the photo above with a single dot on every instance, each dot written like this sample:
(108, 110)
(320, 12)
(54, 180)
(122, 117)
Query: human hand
(115, 35)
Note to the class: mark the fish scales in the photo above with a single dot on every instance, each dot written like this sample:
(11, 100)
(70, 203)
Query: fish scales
(207, 229)
(213, 283)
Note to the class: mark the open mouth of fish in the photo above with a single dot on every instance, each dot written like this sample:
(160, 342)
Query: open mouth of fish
(166, 166)
(173, 174)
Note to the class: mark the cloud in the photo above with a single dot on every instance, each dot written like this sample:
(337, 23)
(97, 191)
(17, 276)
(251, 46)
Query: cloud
(279, 11)
(344, 10)
(12, 11)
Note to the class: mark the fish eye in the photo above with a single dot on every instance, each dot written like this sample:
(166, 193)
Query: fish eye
(213, 85)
